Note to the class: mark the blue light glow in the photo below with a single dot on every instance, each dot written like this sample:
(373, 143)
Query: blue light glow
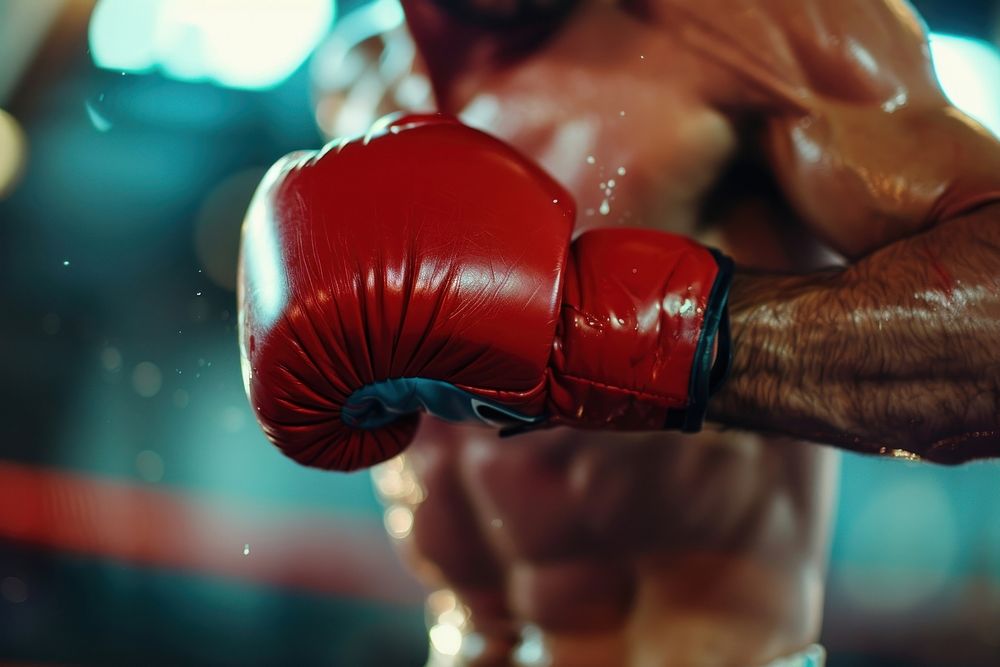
(251, 44)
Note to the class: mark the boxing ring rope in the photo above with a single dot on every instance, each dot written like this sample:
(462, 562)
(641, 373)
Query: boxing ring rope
(287, 548)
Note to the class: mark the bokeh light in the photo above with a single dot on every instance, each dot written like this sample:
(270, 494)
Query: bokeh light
(111, 359)
(147, 379)
(149, 465)
(364, 70)
(446, 639)
(903, 546)
(399, 521)
(13, 590)
(531, 651)
(253, 44)
(13, 153)
(121, 203)
(969, 72)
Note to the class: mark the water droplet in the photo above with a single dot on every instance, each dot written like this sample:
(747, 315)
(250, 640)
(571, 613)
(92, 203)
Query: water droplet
(611, 183)
(65, 262)
(197, 293)
(590, 159)
(605, 207)
(602, 185)
(555, 201)
(622, 113)
(621, 171)
(635, 270)
(246, 549)
(642, 57)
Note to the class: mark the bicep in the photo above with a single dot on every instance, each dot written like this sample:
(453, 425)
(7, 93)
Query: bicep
(863, 178)
(879, 153)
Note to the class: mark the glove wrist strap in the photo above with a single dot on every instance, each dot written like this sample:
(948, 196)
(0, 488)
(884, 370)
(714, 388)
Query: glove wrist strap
(712, 362)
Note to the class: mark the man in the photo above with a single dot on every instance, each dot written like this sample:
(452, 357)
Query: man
(810, 142)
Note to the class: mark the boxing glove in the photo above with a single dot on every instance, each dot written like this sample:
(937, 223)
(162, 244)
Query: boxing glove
(429, 267)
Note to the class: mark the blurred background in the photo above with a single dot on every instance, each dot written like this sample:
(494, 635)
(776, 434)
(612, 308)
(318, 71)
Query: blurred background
(144, 519)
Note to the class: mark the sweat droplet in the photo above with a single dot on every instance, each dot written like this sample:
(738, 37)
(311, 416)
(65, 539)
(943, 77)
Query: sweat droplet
(611, 183)
(590, 159)
(621, 171)
(605, 207)
(246, 549)
(621, 113)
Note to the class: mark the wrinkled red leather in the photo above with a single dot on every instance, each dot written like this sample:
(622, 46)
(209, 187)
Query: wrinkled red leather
(633, 311)
(427, 250)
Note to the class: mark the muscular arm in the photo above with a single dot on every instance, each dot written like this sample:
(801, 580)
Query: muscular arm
(893, 352)
(899, 352)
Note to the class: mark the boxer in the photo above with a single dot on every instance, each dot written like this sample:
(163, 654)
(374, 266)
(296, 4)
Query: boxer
(809, 142)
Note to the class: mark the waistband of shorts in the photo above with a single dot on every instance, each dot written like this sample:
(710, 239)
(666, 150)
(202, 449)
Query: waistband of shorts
(813, 656)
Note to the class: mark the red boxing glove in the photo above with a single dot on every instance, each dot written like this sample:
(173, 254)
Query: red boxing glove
(429, 267)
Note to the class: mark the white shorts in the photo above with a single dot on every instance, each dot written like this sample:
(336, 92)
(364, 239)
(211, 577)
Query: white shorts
(814, 656)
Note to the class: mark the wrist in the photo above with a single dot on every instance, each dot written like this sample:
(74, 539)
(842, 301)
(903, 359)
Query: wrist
(713, 356)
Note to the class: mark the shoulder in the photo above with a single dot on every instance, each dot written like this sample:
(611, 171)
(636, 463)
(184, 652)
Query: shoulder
(804, 52)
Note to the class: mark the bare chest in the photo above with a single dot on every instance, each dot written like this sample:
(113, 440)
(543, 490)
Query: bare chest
(626, 127)
(635, 148)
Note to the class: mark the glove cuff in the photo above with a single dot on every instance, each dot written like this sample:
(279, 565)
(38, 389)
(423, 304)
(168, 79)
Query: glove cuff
(710, 367)
(643, 337)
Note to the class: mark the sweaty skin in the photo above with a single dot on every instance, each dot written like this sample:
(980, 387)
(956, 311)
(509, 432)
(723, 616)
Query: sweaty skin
(809, 141)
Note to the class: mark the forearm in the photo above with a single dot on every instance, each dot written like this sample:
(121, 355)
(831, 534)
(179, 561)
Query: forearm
(896, 354)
